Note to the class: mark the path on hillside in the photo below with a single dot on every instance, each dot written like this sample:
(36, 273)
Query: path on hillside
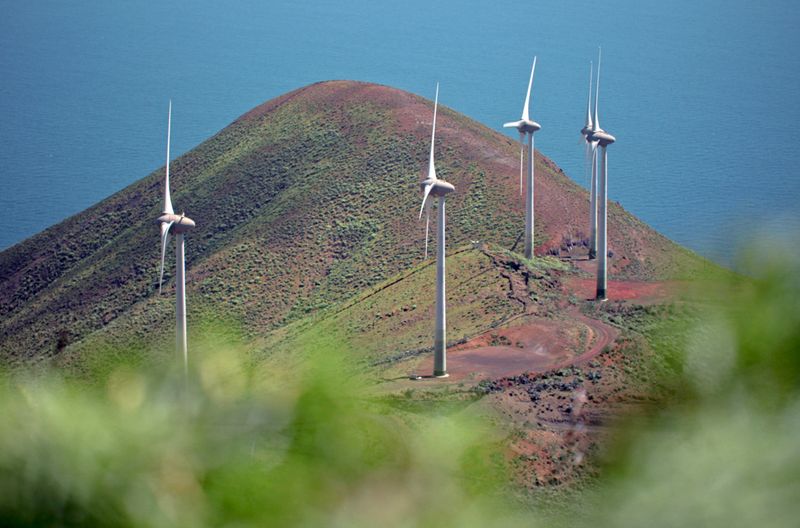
(533, 347)
(539, 344)
(605, 335)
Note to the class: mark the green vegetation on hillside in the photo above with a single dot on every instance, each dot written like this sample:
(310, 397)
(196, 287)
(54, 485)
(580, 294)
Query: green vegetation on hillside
(300, 204)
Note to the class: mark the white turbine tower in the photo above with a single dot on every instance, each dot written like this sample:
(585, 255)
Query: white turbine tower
(432, 186)
(527, 126)
(170, 223)
(591, 145)
(603, 140)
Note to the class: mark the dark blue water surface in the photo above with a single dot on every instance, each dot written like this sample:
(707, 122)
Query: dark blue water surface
(704, 97)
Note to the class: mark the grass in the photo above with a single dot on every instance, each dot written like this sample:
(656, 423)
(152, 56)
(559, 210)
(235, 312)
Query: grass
(397, 315)
(298, 208)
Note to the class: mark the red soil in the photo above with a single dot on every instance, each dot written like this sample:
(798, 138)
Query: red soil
(537, 346)
(642, 292)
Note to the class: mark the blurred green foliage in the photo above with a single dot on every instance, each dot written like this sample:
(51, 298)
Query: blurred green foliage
(230, 446)
(725, 452)
(240, 442)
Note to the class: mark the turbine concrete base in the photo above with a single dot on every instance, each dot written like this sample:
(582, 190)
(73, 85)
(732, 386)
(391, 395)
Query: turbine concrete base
(440, 374)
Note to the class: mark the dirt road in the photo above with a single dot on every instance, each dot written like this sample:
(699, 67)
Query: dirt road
(538, 345)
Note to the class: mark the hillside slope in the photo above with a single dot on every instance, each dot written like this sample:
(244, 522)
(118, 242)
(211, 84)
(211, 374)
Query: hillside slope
(300, 203)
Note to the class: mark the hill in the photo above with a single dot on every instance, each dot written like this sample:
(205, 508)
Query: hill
(300, 204)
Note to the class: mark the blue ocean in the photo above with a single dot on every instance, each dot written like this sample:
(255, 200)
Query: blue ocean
(703, 97)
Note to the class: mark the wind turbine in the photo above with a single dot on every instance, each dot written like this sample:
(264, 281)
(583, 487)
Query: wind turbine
(591, 145)
(603, 139)
(432, 186)
(170, 223)
(527, 126)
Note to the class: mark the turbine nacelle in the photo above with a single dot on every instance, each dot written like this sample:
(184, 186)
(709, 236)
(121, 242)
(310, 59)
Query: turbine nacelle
(603, 138)
(438, 187)
(524, 126)
(180, 223)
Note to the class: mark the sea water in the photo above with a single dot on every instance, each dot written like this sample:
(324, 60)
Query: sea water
(702, 96)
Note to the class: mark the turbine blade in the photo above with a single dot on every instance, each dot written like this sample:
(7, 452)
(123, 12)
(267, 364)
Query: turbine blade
(512, 124)
(167, 200)
(431, 168)
(586, 153)
(164, 238)
(587, 162)
(427, 226)
(589, 97)
(597, 93)
(428, 189)
(521, 159)
(525, 109)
